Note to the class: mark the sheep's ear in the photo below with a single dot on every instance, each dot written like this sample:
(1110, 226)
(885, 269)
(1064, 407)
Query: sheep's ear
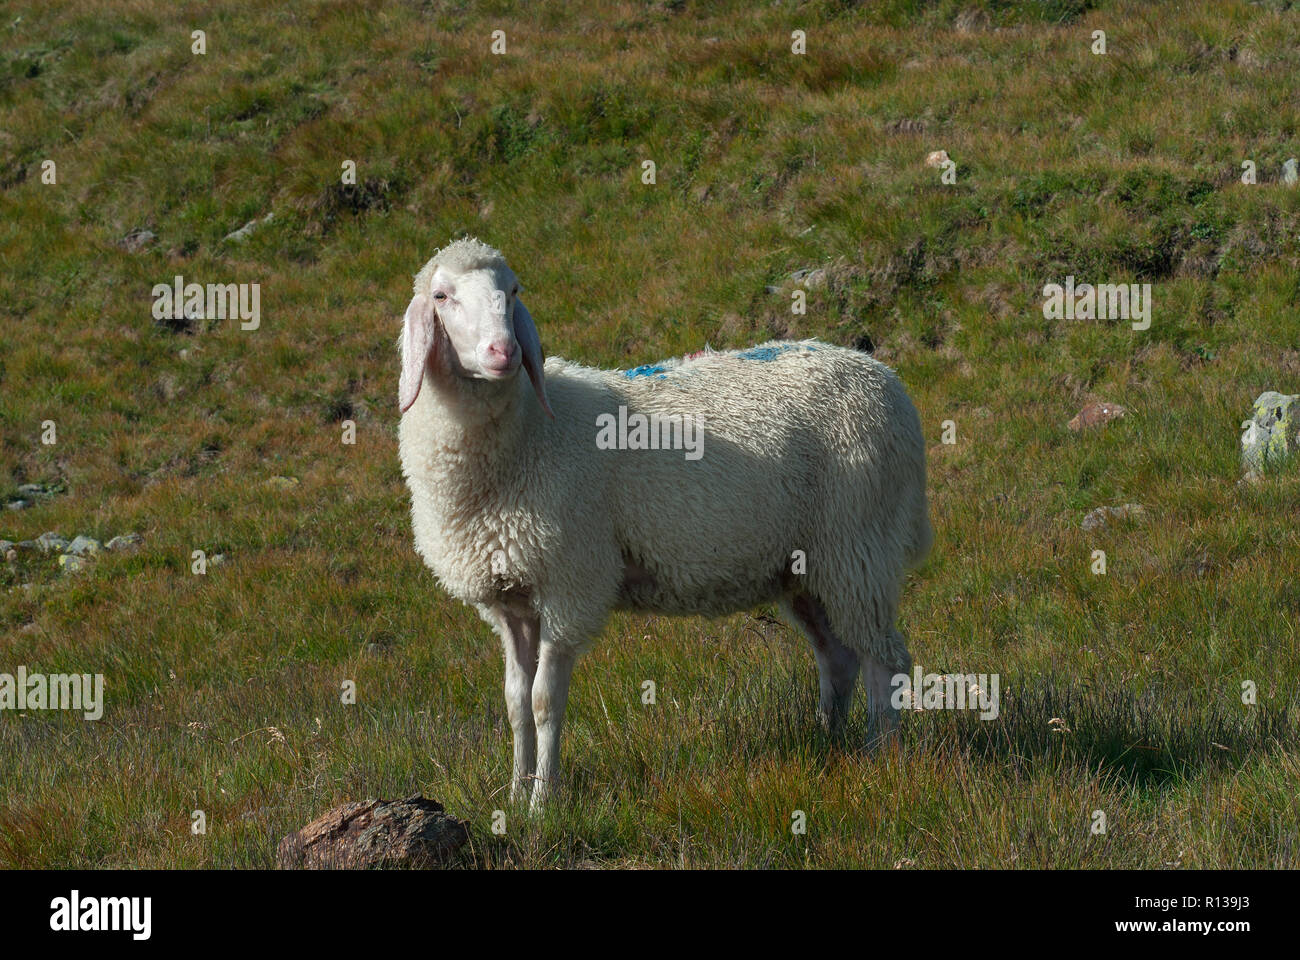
(418, 335)
(526, 334)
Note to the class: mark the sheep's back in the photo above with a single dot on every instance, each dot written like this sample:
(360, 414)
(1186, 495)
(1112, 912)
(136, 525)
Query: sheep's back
(804, 444)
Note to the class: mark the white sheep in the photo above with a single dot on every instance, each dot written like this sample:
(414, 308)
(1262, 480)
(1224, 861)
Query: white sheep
(798, 477)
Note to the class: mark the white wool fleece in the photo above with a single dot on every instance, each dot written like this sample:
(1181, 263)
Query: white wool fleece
(809, 491)
(816, 450)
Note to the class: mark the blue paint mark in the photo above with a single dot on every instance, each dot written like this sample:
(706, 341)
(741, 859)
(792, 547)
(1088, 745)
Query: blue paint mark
(646, 370)
(768, 354)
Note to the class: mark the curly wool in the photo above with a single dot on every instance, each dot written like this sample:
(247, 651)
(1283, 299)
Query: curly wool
(808, 448)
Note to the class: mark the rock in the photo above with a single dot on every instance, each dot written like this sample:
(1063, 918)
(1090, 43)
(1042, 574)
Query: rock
(51, 542)
(137, 240)
(18, 504)
(1098, 518)
(373, 833)
(84, 546)
(11, 556)
(809, 277)
(32, 492)
(1273, 433)
(242, 234)
(937, 158)
(28, 545)
(6, 546)
(1095, 415)
(127, 541)
(972, 20)
(283, 483)
(71, 564)
(217, 560)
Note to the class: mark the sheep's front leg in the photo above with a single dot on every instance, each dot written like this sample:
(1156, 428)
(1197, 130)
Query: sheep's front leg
(519, 636)
(550, 696)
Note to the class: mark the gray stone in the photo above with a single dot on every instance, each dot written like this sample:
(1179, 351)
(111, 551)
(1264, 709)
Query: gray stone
(18, 504)
(217, 560)
(1096, 519)
(137, 240)
(810, 277)
(71, 564)
(1272, 434)
(51, 542)
(375, 833)
(34, 492)
(243, 233)
(6, 546)
(84, 546)
(127, 541)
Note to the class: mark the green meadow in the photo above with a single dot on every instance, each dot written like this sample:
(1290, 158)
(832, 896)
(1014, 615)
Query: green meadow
(1162, 694)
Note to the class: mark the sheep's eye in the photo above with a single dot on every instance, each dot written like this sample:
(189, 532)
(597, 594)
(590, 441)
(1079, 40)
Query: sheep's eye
(515, 291)
(440, 296)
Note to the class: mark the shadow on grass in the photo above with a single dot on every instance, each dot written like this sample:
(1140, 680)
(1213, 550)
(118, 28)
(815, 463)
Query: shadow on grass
(1146, 740)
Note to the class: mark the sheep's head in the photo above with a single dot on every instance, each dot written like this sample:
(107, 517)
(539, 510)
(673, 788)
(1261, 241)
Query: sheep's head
(467, 316)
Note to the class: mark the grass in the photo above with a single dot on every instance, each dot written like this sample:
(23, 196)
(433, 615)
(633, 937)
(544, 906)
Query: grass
(224, 689)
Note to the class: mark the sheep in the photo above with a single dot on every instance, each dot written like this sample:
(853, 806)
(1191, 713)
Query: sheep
(808, 491)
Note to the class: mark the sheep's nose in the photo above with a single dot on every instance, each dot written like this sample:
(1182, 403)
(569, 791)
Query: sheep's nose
(500, 354)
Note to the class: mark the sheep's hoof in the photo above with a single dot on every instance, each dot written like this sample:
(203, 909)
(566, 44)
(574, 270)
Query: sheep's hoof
(543, 797)
(884, 732)
(832, 724)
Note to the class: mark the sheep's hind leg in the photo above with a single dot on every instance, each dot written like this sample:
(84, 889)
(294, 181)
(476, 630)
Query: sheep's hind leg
(550, 697)
(837, 664)
(519, 636)
(878, 679)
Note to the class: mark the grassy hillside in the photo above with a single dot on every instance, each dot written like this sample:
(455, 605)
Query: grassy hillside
(224, 689)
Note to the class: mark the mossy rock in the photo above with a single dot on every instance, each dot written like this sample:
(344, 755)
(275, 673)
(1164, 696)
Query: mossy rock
(1271, 435)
